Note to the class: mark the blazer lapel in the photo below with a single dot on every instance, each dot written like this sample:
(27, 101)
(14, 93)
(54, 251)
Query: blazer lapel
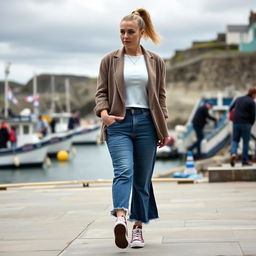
(119, 73)
(151, 67)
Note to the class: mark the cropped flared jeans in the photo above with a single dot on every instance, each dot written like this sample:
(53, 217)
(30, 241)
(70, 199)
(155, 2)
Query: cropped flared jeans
(132, 145)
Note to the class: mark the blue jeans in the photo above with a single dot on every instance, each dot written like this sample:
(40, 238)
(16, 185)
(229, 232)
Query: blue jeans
(199, 137)
(241, 131)
(132, 145)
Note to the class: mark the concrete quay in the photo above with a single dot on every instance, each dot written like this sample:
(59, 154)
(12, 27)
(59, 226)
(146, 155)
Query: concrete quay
(201, 219)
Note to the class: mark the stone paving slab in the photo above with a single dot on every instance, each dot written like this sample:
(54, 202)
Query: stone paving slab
(87, 247)
(34, 253)
(204, 219)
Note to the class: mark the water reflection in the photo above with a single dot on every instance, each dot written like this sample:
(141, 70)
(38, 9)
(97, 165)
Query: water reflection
(90, 162)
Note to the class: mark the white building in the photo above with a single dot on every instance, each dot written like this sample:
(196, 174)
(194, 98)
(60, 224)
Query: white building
(237, 34)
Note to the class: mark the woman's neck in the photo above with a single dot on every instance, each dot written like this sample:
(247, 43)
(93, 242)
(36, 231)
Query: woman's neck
(133, 52)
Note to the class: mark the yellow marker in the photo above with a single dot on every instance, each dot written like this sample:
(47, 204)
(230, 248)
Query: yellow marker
(62, 155)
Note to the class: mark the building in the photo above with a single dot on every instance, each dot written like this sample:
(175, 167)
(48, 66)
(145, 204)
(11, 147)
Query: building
(243, 35)
(237, 34)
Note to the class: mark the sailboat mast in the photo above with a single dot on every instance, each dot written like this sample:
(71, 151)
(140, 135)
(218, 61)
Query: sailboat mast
(67, 90)
(53, 94)
(6, 86)
(35, 96)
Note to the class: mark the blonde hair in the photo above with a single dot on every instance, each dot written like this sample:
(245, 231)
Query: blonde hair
(144, 21)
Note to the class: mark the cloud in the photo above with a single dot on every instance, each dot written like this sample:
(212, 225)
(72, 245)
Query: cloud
(72, 35)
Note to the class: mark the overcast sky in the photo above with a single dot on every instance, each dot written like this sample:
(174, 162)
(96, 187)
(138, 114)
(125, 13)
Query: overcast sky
(71, 36)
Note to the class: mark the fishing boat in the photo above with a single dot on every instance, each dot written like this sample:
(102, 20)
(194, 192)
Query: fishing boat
(86, 133)
(58, 142)
(216, 137)
(30, 150)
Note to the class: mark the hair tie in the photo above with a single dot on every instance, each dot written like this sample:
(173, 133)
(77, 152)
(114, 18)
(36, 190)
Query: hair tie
(136, 13)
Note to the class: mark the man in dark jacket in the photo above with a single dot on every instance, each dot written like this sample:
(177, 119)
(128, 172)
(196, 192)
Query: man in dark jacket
(243, 119)
(199, 121)
(4, 135)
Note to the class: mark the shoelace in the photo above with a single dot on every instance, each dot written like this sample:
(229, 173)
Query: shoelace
(121, 218)
(137, 234)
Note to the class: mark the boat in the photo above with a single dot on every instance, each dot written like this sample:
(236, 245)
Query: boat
(86, 133)
(168, 151)
(30, 150)
(58, 142)
(215, 137)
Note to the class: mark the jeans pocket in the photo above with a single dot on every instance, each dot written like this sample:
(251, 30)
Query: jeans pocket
(113, 124)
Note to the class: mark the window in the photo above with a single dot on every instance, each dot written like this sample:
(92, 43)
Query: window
(25, 129)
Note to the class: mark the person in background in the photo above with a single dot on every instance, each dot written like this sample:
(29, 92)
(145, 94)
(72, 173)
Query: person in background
(199, 121)
(13, 137)
(77, 119)
(131, 102)
(42, 126)
(4, 135)
(74, 120)
(243, 119)
(53, 124)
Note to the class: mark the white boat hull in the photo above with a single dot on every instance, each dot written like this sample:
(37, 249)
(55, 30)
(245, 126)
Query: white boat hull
(30, 154)
(58, 142)
(86, 135)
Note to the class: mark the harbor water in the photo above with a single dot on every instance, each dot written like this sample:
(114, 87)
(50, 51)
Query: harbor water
(88, 163)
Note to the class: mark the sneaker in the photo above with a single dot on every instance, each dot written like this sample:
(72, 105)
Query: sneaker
(121, 232)
(137, 237)
(233, 160)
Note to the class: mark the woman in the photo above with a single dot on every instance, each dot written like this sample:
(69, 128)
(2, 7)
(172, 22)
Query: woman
(130, 100)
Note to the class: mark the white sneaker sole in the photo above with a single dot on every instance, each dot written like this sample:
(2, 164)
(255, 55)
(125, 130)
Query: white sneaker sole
(121, 239)
(137, 244)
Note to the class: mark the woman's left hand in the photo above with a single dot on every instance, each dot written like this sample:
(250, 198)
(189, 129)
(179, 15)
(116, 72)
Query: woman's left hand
(163, 142)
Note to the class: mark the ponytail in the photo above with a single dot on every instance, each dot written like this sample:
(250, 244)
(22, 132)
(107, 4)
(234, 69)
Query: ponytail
(144, 21)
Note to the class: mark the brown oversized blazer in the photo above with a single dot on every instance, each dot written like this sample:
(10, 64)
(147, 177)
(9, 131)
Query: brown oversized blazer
(110, 92)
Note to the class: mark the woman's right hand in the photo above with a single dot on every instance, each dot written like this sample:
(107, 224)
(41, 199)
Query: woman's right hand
(109, 119)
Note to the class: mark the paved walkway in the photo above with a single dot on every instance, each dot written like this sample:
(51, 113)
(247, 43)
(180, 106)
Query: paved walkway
(196, 220)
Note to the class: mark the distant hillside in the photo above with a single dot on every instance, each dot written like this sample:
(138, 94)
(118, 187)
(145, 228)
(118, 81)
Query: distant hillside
(213, 71)
(82, 91)
(12, 84)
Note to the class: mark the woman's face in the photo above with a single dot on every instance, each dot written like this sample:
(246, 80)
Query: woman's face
(130, 34)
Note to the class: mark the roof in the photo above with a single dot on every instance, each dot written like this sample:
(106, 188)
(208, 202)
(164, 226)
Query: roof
(237, 28)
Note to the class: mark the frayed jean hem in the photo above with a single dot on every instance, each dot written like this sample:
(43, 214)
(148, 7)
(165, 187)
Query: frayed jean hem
(144, 222)
(113, 212)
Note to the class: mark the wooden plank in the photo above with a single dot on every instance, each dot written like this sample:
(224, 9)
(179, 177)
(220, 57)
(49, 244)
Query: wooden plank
(86, 183)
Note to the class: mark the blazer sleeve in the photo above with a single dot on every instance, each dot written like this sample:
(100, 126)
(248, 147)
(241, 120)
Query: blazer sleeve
(101, 96)
(162, 91)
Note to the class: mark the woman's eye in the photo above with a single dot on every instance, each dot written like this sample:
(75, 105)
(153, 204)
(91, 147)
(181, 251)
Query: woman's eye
(129, 32)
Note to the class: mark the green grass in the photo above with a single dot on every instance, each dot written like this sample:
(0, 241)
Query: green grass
(180, 56)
